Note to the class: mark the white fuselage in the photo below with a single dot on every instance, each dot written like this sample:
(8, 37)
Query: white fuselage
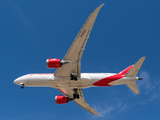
(86, 80)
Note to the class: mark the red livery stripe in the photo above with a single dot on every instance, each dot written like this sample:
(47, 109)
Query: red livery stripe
(126, 70)
(107, 80)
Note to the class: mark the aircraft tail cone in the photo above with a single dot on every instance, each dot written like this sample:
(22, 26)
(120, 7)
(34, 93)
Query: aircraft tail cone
(139, 78)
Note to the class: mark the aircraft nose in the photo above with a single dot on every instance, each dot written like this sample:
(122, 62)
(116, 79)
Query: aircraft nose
(16, 81)
(19, 81)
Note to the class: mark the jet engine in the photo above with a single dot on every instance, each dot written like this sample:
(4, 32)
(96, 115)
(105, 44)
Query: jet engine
(60, 99)
(54, 63)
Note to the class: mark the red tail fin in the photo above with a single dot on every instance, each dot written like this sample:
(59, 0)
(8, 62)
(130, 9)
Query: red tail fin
(126, 70)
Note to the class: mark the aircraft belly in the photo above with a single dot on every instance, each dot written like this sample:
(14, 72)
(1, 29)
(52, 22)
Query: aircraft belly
(86, 80)
(62, 82)
(37, 82)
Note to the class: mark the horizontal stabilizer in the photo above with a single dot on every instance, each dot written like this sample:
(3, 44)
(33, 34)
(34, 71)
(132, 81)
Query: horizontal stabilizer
(133, 86)
(134, 70)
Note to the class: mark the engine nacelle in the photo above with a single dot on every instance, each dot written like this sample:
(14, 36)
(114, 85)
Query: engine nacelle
(53, 63)
(60, 99)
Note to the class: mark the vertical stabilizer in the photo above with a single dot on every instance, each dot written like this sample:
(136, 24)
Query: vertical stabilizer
(134, 70)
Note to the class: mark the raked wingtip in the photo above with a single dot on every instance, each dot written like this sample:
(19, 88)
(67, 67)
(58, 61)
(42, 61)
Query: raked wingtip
(101, 5)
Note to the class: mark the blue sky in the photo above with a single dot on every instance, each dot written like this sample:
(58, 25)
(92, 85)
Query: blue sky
(124, 31)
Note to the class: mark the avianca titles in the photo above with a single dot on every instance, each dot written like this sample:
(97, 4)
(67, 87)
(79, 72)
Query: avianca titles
(68, 78)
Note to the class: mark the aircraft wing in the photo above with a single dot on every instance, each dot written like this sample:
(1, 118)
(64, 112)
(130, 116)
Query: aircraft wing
(81, 102)
(74, 53)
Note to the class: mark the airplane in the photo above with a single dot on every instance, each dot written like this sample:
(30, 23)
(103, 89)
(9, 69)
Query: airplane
(68, 78)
